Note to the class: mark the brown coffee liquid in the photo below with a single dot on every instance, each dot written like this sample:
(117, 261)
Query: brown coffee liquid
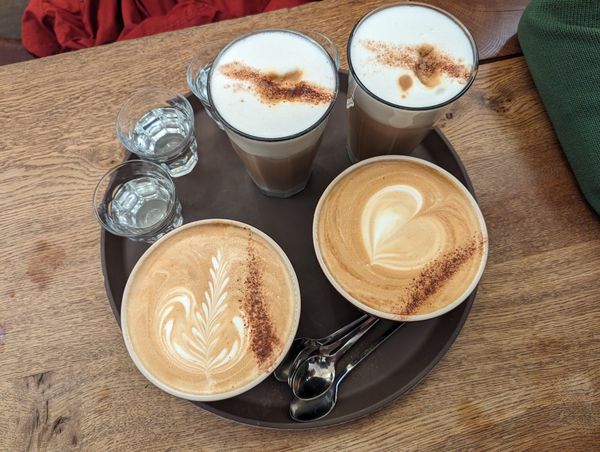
(368, 137)
(280, 175)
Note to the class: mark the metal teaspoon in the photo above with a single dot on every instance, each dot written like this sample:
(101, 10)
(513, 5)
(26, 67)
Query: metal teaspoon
(318, 407)
(303, 347)
(315, 375)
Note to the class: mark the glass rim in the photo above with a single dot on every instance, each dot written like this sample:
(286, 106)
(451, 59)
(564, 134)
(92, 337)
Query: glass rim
(112, 171)
(124, 137)
(287, 137)
(404, 107)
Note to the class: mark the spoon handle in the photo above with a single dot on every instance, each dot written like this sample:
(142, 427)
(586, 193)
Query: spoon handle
(342, 331)
(328, 349)
(354, 336)
(376, 343)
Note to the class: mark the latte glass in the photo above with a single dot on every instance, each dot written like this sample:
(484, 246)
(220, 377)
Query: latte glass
(378, 126)
(137, 200)
(157, 124)
(280, 166)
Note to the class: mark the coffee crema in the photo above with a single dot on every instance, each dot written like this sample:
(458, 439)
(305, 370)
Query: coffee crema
(210, 309)
(400, 237)
(412, 55)
(273, 83)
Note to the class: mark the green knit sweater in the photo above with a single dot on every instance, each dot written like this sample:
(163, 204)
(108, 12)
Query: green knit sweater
(560, 40)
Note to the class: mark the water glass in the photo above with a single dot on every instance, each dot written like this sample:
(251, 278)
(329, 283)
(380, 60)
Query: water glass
(137, 200)
(157, 124)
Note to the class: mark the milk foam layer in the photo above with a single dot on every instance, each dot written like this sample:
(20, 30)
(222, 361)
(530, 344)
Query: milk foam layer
(289, 65)
(400, 237)
(210, 309)
(387, 44)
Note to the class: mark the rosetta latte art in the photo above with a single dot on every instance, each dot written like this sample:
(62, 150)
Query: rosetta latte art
(191, 330)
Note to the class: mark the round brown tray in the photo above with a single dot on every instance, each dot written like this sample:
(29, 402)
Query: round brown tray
(220, 188)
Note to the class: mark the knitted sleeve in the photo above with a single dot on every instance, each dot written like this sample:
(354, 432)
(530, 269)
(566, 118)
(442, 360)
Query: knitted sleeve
(560, 40)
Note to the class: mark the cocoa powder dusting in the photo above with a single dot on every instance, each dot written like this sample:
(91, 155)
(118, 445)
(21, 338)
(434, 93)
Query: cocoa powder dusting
(274, 88)
(263, 340)
(405, 82)
(426, 61)
(435, 275)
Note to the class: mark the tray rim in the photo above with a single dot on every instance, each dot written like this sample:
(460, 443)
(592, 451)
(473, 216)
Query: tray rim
(356, 415)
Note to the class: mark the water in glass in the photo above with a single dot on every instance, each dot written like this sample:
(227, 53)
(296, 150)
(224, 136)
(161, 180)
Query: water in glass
(141, 204)
(161, 134)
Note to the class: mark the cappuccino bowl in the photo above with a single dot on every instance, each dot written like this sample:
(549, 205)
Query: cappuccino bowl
(400, 238)
(210, 310)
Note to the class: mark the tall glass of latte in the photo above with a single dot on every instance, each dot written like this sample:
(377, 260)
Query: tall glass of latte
(271, 91)
(408, 61)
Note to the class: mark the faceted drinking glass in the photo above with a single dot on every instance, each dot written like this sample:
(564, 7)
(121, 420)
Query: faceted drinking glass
(157, 124)
(137, 200)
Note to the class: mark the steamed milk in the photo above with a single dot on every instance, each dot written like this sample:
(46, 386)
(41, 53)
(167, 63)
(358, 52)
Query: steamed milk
(281, 60)
(386, 43)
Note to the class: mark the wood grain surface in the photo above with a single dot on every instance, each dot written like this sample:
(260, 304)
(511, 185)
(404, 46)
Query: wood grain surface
(524, 372)
(493, 24)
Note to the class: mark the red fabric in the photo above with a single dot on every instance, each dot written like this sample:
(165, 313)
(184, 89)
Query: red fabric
(55, 26)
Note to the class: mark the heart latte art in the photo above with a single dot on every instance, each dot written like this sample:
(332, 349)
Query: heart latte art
(400, 237)
(389, 216)
(210, 309)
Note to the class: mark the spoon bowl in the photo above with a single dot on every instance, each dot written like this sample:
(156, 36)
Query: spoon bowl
(316, 408)
(299, 346)
(313, 377)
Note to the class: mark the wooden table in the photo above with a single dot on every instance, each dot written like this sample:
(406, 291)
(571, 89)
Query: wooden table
(524, 372)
